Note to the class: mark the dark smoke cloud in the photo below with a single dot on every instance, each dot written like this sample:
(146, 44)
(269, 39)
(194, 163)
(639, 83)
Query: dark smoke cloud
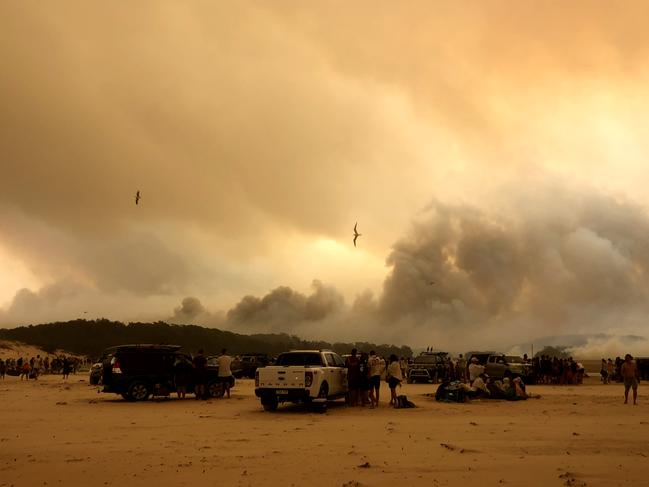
(286, 310)
(189, 309)
(553, 259)
(556, 260)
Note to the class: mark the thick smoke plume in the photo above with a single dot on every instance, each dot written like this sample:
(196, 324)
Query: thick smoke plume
(557, 261)
(284, 309)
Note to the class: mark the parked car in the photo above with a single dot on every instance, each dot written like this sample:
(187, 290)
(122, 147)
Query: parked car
(481, 356)
(247, 365)
(427, 366)
(308, 376)
(643, 367)
(138, 371)
(498, 364)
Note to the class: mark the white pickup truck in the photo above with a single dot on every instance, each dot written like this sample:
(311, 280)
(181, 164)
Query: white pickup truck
(309, 376)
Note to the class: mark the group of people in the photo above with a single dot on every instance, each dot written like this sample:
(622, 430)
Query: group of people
(195, 372)
(35, 366)
(365, 373)
(555, 370)
(611, 370)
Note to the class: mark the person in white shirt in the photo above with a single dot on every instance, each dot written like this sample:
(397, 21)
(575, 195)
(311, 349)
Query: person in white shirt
(394, 377)
(479, 386)
(475, 369)
(225, 372)
(376, 366)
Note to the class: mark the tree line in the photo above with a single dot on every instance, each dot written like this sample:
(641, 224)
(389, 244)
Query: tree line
(91, 337)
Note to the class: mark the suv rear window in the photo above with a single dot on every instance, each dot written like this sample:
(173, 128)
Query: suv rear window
(428, 359)
(299, 358)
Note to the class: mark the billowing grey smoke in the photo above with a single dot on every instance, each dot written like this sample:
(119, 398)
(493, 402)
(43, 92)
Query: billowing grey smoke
(556, 259)
(284, 309)
(189, 309)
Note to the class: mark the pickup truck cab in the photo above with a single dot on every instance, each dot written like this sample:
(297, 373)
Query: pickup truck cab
(427, 366)
(497, 364)
(307, 376)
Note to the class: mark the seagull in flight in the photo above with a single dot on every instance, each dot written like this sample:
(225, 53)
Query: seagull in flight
(356, 234)
(137, 197)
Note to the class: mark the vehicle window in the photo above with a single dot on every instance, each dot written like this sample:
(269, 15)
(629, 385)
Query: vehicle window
(338, 360)
(307, 359)
(330, 360)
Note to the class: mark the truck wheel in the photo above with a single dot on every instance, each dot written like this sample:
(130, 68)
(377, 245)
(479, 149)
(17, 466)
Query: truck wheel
(138, 391)
(324, 391)
(269, 404)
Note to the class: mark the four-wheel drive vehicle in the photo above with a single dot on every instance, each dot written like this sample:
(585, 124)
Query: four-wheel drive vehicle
(309, 376)
(643, 367)
(137, 371)
(247, 365)
(427, 366)
(498, 363)
(481, 356)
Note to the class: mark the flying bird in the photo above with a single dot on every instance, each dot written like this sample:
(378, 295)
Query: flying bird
(356, 234)
(137, 197)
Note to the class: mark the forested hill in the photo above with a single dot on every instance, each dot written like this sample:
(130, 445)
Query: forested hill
(92, 337)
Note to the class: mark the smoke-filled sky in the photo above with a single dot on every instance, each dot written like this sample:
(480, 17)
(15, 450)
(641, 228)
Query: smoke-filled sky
(498, 149)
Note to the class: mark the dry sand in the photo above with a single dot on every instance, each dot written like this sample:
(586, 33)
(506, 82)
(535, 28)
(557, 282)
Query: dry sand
(65, 433)
(14, 350)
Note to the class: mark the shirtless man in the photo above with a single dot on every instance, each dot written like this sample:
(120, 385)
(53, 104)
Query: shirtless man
(631, 378)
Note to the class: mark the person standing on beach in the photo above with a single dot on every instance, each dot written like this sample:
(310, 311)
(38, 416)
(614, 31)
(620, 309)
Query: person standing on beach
(460, 368)
(394, 378)
(376, 366)
(182, 375)
(200, 375)
(25, 370)
(36, 368)
(225, 372)
(3, 369)
(631, 377)
(67, 367)
(353, 365)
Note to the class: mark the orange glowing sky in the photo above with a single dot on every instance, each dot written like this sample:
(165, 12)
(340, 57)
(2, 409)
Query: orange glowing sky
(260, 132)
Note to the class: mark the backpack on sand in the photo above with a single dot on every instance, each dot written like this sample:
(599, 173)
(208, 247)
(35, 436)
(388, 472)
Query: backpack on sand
(403, 403)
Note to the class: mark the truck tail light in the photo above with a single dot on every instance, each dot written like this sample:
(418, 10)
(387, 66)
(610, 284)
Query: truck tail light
(115, 367)
(256, 378)
(308, 379)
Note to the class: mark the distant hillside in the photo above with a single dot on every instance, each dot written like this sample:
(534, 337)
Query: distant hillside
(92, 337)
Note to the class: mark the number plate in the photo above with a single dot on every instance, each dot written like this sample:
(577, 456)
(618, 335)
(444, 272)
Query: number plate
(281, 391)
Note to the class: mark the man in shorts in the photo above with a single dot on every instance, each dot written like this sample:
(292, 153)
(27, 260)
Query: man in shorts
(376, 365)
(631, 377)
(225, 372)
(200, 375)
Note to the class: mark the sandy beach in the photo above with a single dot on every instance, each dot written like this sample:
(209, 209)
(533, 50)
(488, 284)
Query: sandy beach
(65, 433)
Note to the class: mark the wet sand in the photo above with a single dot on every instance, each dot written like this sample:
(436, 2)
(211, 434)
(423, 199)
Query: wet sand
(65, 433)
